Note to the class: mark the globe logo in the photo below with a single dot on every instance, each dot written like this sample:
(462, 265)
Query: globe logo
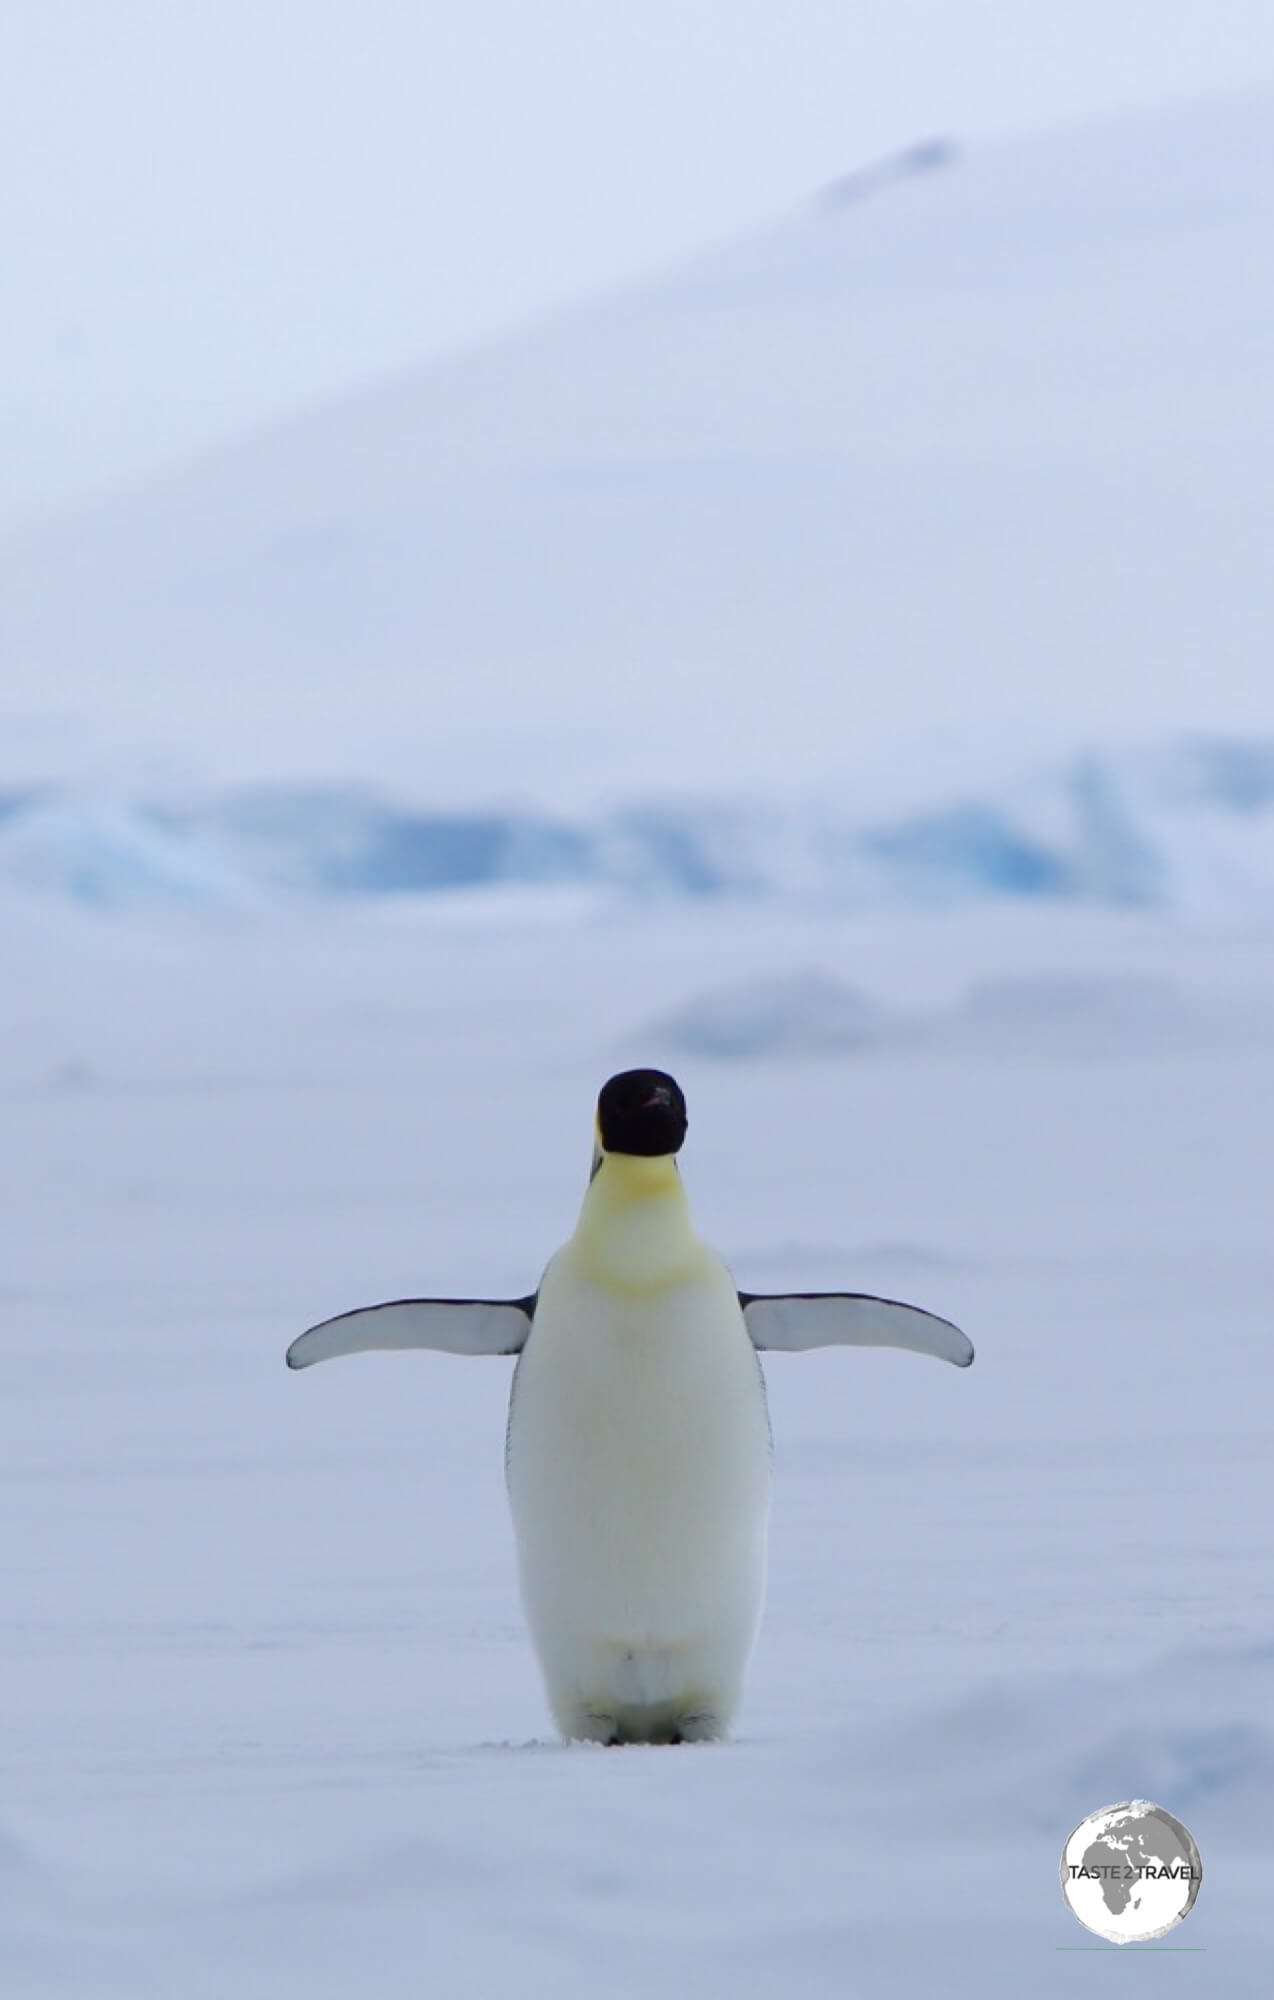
(1131, 1872)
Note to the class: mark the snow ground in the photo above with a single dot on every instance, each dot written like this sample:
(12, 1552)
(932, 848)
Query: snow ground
(271, 1726)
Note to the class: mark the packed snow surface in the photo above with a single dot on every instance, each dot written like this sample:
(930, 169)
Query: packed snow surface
(271, 1723)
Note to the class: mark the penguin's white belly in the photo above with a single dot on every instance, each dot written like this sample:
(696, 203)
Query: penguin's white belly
(639, 1474)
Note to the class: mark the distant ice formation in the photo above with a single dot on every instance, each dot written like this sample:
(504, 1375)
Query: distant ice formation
(793, 1014)
(1184, 826)
(1064, 1015)
(1083, 1015)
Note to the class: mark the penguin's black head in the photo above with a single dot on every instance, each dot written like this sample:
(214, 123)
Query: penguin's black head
(642, 1111)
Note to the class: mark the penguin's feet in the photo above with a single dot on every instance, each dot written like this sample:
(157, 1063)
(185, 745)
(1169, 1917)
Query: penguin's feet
(588, 1725)
(659, 1723)
(699, 1728)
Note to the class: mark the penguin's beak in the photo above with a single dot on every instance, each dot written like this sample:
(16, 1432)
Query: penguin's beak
(659, 1097)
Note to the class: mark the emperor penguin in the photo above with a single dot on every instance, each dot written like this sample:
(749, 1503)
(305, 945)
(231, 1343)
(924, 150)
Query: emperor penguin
(638, 1448)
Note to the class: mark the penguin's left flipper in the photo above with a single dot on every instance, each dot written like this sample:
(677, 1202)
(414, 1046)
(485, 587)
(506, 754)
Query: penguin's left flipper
(794, 1321)
(453, 1326)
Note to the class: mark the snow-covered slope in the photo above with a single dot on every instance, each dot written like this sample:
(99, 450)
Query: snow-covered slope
(987, 450)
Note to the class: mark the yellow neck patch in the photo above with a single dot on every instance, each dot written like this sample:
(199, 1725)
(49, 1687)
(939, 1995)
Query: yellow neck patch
(634, 1228)
(627, 1177)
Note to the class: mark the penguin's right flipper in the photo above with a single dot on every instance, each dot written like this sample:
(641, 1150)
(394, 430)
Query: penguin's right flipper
(451, 1326)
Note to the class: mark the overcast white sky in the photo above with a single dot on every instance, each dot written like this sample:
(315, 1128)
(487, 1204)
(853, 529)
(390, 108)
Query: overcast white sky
(211, 211)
